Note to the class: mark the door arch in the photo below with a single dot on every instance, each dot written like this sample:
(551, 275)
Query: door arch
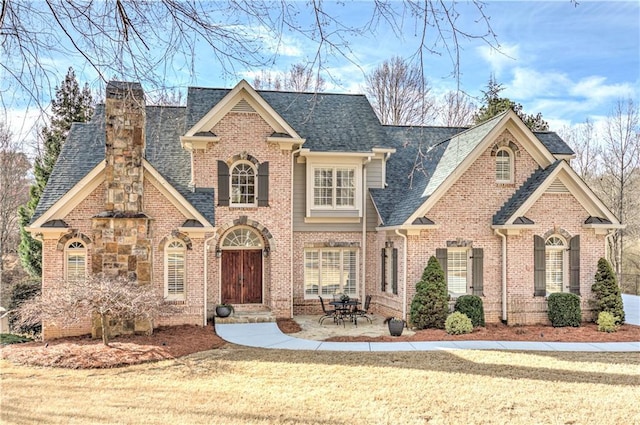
(241, 266)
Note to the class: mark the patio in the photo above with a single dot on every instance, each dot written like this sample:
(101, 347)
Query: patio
(313, 330)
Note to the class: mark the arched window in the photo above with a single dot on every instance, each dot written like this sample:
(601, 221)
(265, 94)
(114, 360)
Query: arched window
(504, 166)
(75, 261)
(243, 184)
(174, 270)
(555, 249)
(242, 237)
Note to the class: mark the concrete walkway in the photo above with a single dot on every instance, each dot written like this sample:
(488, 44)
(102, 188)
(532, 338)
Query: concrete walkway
(268, 335)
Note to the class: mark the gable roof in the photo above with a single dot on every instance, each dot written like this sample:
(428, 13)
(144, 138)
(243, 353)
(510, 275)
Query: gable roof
(84, 150)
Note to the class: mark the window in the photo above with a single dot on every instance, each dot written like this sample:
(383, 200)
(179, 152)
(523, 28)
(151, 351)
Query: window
(243, 184)
(457, 277)
(242, 237)
(555, 249)
(76, 261)
(329, 271)
(556, 264)
(175, 270)
(389, 264)
(463, 269)
(334, 187)
(504, 166)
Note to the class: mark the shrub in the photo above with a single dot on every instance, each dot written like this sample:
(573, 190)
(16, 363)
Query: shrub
(607, 292)
(430, 305)
(607, 322)
(21, 293)
(564, 309)
(458, 323)
(471, 305)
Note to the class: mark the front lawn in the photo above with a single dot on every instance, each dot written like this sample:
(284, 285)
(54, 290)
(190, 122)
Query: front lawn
(239, 385)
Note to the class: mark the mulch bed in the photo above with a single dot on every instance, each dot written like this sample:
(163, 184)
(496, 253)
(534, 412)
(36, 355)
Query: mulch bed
(173, 342)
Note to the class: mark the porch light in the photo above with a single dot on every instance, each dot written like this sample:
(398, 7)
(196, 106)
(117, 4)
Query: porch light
(218, 252)
(265, 251)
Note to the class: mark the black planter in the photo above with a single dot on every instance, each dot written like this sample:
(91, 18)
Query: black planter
(223, 310)
(396, 327)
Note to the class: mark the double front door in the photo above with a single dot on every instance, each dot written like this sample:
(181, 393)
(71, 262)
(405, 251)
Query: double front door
(242, 276)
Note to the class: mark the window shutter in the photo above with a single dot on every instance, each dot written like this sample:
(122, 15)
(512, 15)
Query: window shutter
(223, 183)
(539, 267)
(477, 278)
(383, 261)
(574, 265)
(263, 184)
(394, 271)
(441, 256)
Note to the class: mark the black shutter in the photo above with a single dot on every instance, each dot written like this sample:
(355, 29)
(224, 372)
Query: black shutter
(394, 271)
(223, 183)
(263, 184)
(477, 270)
(441, 256)
(574, 265)
(539, 267)
(383, 261)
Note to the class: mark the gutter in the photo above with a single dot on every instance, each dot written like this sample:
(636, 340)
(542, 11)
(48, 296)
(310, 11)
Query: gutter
(404, 273)
(504, 273)
(364, 225)
(293, 159)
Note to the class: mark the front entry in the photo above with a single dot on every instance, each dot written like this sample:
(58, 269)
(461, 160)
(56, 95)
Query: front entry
(242, 276)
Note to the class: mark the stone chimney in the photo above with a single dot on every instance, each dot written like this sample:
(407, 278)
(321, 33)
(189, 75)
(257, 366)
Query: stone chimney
(121, 242)
(125, 144)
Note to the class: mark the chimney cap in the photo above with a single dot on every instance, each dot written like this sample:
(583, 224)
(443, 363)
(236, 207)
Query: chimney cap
(122, 89)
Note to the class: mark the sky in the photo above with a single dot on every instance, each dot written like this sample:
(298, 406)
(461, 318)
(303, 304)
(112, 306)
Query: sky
(570, 62)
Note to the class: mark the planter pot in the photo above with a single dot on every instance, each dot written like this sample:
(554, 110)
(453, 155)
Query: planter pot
(223, 311)
(396, 327)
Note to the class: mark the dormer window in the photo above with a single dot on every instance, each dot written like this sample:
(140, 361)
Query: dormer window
(243, 184)
(504, 166)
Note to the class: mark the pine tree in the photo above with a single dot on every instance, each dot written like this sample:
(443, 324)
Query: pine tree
(430, 305)
(494, 105)
(70, 105)
(607, 292)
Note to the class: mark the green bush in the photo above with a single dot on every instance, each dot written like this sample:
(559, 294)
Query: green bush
(564, 310)
(458, 323)
(430, 305)
(607, 322)
(471, 305)
(607, 292)
(6, 339)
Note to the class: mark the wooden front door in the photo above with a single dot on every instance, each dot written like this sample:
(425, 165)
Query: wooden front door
(242, 276)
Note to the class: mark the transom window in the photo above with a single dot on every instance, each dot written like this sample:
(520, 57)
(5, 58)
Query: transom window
(504, 165)
(329, 271)
(243, 184)
(334, 187)
(76, 261)
(457, 271)
(243, 237)
(555, 249)
(175, 270)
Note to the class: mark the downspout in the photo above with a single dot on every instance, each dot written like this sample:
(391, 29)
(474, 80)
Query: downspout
(364, 226)
(504, 274)
(293, 159)
(404, 273)
(206, 277)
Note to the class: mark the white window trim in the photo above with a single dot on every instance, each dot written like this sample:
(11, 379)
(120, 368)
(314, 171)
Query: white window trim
(564, 286)
(77, 251)
(468, 272)
(333, 211)
(318, 282)
(167, 251)
(255, 185)
(511, 165)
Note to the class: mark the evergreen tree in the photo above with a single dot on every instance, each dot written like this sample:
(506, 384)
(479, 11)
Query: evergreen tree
(430, 305)
(607, 292)
(494, 105)
(70, 105)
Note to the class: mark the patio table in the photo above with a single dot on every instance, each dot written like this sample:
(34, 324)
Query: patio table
(344, 309)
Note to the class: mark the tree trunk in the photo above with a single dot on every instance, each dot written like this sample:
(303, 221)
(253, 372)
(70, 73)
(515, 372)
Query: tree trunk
(104, 324)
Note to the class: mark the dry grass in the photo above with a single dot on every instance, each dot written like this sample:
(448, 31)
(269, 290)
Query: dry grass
(236, 385)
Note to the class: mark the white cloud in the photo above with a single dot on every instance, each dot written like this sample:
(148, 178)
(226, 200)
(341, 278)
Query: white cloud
(498, 61)
(528, 83)
(596, 89)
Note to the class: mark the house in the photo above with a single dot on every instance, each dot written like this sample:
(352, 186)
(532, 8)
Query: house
(267, 200)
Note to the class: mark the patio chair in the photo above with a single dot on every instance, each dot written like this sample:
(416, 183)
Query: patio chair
(326, 313)
(365, 309)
